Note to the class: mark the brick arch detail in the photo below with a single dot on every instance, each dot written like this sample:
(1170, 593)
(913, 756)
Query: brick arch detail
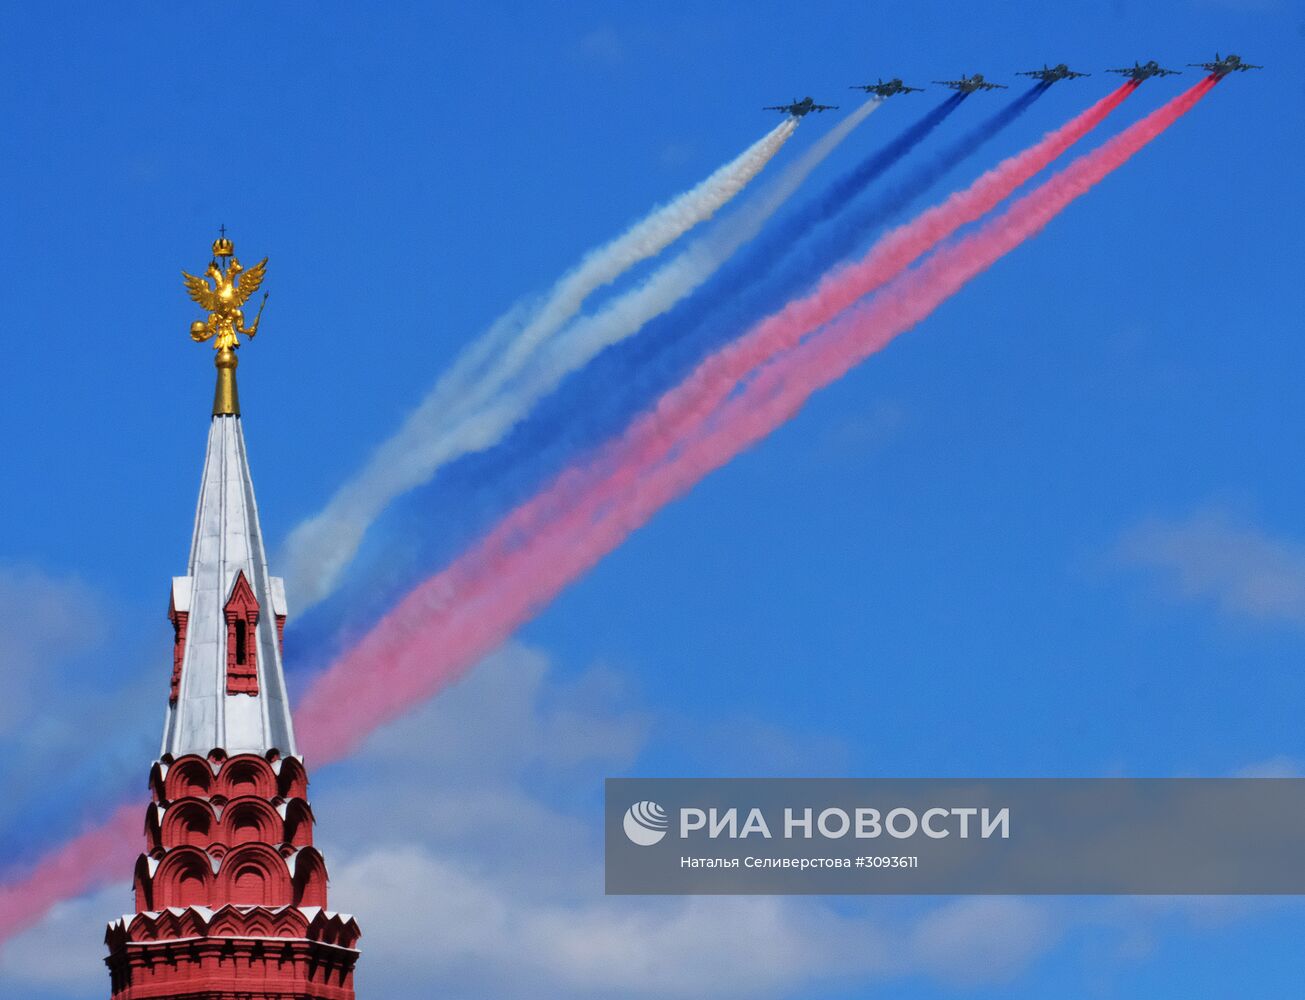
(292, 780)
(250, 819)
(188, 822)
(246, 774)
(184, 878)
(191, 775)
(254, 875)
(310, 878)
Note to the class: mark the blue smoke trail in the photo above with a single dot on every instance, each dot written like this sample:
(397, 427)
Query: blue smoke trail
(473, 491)
(390, 567)
(777, 242)
(852, 228)
(663, 356)
(619, 383)
(807, 262)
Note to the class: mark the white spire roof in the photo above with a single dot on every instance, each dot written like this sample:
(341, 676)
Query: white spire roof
(228, 543)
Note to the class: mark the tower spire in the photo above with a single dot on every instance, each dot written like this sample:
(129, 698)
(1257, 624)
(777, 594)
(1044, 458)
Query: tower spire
(231, 894)
(228, 690)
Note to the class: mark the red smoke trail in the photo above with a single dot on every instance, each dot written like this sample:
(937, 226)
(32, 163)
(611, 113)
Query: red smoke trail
(457, 616)
(86, 862)
(893, 253)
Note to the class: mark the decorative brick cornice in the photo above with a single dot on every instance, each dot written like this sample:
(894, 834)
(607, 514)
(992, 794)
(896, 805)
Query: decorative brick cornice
(230, 876)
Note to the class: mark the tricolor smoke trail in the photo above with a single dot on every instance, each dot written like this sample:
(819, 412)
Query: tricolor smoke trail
(454, 618)
(494, 384)
(783, 262)
(860, 222)
(313, 555)
(739, 293)
(445, 625)
(716, 376)
(767, 284)
(615, 384)
(578, 343)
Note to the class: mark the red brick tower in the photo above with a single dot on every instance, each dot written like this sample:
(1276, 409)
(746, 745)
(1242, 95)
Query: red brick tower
(230, 892)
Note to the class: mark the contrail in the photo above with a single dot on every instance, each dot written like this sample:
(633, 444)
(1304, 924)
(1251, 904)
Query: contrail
(661, 357)
(643, 366)
(457, 616)
(488, 391)
(717, 375)
(783, 262)
(745, 290)
(765, 283)
(93, 859)
(854, 226)
(451, 620)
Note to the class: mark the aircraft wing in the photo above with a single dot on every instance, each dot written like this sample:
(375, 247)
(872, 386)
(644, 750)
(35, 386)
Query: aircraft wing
(824, 107)
(994, 86)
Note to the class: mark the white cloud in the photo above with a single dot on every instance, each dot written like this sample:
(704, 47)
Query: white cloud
(1280, 766)
(65, 951)
(1216, 557)
(445, 836)
(44, 621)
(437, 926)
(75, 672)
(603, 45)
(981, 939)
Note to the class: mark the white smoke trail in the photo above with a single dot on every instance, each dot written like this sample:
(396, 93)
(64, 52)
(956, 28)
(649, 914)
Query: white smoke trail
(484, 396)
(501, 351)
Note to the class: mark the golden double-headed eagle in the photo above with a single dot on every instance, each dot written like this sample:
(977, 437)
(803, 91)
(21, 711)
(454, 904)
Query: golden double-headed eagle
(231, 288)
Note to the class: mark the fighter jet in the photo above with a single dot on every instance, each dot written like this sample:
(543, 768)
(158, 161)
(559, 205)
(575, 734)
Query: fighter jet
(1228, 64)
(803, 107)
(1144, 71)
(881, 89)
(969, 84)
(1050, 74)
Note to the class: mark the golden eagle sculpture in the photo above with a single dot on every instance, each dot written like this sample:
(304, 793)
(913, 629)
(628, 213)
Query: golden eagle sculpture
(232, 286)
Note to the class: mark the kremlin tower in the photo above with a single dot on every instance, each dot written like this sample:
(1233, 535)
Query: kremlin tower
(230, 892)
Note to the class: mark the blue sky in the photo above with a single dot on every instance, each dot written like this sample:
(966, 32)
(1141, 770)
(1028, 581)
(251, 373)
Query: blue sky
(1053, 531)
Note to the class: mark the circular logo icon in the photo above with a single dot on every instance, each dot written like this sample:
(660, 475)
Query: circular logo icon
(646, 823)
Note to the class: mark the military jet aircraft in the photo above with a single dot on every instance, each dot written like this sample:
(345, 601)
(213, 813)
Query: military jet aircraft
(881, 89)
(1050, 74)
(1144, 71)
(803, 107)
(1228, 64)
(969, 84)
